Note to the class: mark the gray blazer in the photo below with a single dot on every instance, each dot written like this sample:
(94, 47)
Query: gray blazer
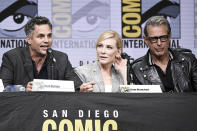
(92, 72)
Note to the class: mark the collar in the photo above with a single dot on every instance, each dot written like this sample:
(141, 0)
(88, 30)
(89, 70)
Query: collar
(150, 58)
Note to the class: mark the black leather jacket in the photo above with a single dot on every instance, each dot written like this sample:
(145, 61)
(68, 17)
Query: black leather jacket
(183, 67)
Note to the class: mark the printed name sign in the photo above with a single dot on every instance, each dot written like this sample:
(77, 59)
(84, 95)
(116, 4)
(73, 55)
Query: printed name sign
(53, 85)
(1, 86)
(140, 89)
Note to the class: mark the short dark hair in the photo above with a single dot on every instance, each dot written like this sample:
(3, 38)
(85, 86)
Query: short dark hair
(155, 21)
(38, 20)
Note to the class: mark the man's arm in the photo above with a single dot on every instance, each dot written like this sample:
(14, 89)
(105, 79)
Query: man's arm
(134, 79)
(7, 70)
(194, 72)
(71, 75)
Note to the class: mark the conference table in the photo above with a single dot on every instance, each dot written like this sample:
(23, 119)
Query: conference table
(66, 111)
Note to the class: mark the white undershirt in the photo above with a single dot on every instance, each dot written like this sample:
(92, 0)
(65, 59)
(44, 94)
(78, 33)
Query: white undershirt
(108, 88)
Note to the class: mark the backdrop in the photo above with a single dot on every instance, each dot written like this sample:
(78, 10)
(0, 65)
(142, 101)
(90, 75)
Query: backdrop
(78, 23)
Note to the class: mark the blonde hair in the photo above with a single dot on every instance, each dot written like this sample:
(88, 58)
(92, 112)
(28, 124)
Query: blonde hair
(110, 34)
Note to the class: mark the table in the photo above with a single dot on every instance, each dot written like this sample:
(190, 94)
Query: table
(58, 111)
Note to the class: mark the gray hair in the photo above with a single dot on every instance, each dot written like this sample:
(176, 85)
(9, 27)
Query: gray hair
(155, 21)
(39, 20)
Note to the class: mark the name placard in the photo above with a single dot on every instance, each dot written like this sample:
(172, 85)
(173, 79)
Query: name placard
(53, 85)
(1, 86)
(140, 89)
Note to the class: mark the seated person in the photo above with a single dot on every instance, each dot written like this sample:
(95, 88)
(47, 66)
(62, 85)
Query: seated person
(21, 65)
(175, 70)
(109, 70)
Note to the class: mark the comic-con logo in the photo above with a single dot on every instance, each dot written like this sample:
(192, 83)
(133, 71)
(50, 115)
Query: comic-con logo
(80, 18)
(135, 13)
(14, 14)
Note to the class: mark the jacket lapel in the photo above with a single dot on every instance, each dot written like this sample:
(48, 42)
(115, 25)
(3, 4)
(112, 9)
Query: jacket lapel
(179, 78)
(149, 76)
(97, 77)
(116, 81)
(28, 63)
(153, 76)
(52, 70)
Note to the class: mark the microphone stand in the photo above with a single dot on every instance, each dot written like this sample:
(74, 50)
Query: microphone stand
(128, 72)
(51, 63)
(52, 70)
(129, 61)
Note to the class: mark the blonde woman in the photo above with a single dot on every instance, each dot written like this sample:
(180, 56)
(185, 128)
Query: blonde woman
(109, 70)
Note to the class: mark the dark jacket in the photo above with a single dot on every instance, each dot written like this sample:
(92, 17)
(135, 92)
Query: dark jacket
(17, 68)
(183, 68)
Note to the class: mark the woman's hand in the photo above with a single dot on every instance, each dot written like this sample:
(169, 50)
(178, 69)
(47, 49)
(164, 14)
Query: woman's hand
(121, 66)
(87, 87)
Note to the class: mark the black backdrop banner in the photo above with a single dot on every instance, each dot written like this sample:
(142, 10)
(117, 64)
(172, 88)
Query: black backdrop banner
(54, 111)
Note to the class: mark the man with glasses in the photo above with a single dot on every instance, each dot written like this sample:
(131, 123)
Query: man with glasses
(175, 70)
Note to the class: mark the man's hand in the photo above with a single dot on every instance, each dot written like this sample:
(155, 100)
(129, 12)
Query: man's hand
(29, 86)
(87, 87)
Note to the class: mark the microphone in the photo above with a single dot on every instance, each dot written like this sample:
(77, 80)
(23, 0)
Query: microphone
(126, 56)
(129, 61)
(50, 54)
(49, 51)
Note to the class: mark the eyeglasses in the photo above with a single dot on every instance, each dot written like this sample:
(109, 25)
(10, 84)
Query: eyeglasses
(154, 39)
